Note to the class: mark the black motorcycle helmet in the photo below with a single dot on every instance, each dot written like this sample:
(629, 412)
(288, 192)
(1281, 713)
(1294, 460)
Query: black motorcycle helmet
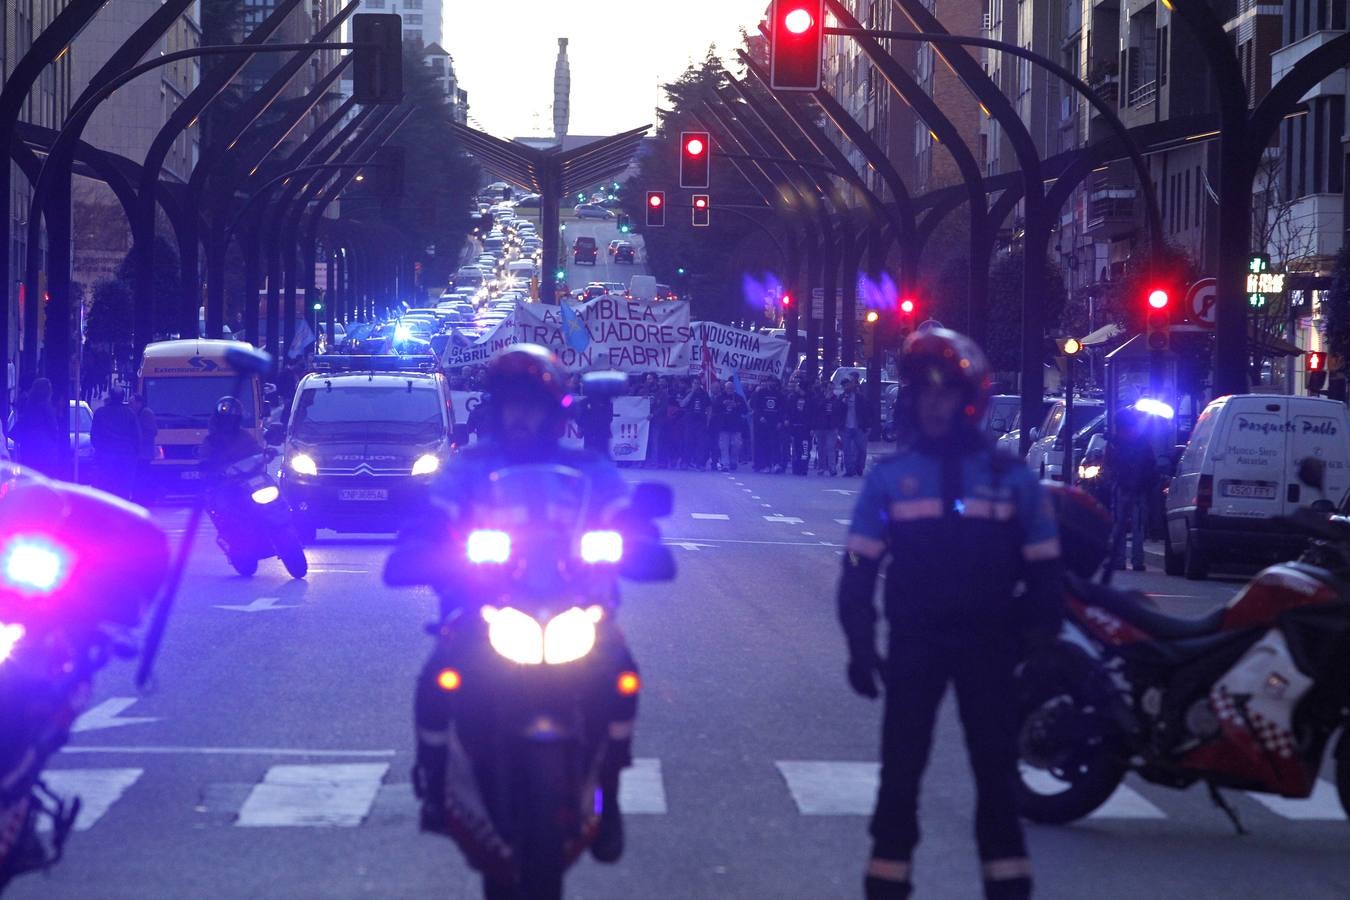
(1084, 528)
(529, 373)
(941, 357)
(228, 416)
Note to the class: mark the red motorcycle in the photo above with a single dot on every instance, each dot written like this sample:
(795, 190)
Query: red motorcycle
(1247, 697)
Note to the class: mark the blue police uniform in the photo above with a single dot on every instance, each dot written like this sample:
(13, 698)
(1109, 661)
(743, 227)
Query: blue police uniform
(962, 531)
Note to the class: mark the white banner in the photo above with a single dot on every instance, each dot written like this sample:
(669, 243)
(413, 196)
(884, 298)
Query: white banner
(754, 356)
(503, 334)
(628, 436)
(611, 333)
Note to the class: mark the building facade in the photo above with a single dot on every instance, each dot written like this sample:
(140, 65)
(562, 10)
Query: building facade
(421, 18)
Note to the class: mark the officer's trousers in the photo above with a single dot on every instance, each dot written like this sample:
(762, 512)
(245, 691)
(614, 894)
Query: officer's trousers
(918, 672)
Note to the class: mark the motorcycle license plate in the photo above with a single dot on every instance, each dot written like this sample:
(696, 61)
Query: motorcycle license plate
(190, 475)
(363, 494)
(1249, 490)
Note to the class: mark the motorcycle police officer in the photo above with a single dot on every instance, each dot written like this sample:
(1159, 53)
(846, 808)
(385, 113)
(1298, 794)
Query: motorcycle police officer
(962, 529)
(524, 424)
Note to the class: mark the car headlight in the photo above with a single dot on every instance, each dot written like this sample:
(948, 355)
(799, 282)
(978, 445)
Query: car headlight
(601, 547)
(10, 635)
(426, 464)
(303, 464)
(487, 546)
(266, 494)
(34, 565)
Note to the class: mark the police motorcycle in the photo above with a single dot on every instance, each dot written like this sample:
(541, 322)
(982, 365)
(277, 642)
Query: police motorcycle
(528, 583)
(1247, 698)
(253, 521)
(85, 577)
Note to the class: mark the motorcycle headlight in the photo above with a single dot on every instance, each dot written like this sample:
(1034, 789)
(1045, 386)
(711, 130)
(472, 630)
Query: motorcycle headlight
(601, 547)
(514, 635)
(487, 546)
(570, 635)
(266, 494)
(303, 464)
(1089, 472)
(10, 635)
(34, 565)
(426, 464)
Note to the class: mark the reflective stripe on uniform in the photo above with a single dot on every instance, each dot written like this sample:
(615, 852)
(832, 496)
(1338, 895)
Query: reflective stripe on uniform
(913, 510)
(888, 869)
(621, 731)
(1007, 869)
(872, 548)
(981, 508)
(1041, 550)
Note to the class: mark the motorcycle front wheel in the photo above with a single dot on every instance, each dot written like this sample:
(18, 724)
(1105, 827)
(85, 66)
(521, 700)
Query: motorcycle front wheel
(292, 552)
(245, 566)
(1069, 765)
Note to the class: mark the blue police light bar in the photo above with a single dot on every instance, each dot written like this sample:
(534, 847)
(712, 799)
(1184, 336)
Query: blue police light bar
(391, 362)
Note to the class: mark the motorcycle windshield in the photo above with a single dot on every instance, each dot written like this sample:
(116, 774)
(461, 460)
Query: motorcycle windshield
(538, 498)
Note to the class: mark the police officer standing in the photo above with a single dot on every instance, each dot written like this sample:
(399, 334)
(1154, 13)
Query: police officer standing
(962, 528)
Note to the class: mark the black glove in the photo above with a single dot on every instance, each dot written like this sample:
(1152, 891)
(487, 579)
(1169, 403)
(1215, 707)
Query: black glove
(862, 677)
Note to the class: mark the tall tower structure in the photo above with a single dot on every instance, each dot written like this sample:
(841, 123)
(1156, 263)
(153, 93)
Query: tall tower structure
(562, 92)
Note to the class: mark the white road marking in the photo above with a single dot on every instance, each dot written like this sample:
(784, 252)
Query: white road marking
(831, 788)
(840, 491)
(756, 497)
(1125, 803)
(642, 789)
(98, 790)
(226, 751)
(747, 490)
(688, 545)
(767, 505)
(809, 533)
(107, 715)
(714, 517)
(1322, 805)
(844, 521)
(785, 520)
(262, 604)
(334, 795)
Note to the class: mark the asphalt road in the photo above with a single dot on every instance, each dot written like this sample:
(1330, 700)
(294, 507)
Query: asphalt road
(272, 759)
(605, 269)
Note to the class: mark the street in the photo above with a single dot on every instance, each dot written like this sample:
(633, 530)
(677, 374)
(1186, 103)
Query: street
(272, 758)
(605, 268)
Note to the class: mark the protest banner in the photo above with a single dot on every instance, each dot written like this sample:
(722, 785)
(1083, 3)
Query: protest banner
(754, 356)
(503, 334)
(628, 439)
(611, 333)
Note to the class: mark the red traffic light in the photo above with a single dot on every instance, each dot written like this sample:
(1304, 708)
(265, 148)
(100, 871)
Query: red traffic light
(907, 306)
(786, 300)
(656, 209)
(694, 146)
(796, 44)
(654, 200)
(1316, 361)
(1158, 298)
(700, 202)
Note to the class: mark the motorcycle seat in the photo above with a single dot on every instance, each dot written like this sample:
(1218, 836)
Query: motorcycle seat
(1130, 606)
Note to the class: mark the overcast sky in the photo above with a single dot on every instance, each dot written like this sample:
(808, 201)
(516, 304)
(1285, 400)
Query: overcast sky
(620, 51)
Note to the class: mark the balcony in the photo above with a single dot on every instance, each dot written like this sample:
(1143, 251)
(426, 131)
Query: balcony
(1111, 212)
(1143, 95)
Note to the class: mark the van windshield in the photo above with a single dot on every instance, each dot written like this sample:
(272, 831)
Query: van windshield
(363, 413)
(189, 402)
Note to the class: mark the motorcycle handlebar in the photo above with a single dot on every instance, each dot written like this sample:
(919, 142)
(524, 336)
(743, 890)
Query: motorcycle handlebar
(1320, 524)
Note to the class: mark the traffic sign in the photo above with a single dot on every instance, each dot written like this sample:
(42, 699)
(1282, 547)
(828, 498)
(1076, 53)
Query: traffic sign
(1201, 301)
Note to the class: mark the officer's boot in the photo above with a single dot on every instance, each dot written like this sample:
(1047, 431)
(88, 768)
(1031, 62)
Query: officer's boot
(428, 779)
(608, 844)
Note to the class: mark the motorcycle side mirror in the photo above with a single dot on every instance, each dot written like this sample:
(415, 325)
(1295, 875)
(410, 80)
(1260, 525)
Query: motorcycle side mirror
(604, 384)
(652, 500)
(1312, 472)
(648, 561)
(275, 434)
(269, 390)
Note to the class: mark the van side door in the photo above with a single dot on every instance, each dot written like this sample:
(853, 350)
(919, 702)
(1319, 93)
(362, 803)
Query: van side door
(1319, 430)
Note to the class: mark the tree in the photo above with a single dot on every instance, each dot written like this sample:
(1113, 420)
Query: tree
(113, 309)
(1004, 342)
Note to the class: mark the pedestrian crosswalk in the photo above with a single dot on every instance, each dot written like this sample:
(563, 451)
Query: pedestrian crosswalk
(347, 795)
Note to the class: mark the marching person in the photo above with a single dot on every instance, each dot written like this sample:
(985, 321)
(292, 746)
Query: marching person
(798, 405)
(823, 414)
(728, 418)
(962, 528)
(853, 422)
(768, 409)
(116, 437)
(694, 406)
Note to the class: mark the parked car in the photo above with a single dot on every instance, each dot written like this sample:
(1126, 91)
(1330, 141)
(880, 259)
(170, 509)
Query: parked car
(1045, 456)
(1237, 477)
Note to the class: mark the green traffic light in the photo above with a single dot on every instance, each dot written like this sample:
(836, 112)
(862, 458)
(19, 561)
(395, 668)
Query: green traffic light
(562, 273)
(680, 270)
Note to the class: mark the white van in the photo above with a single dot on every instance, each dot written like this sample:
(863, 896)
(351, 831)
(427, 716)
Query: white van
(1238, 474)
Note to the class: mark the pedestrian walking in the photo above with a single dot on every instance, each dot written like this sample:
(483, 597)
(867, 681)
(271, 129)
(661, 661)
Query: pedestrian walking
(1133, 468)
(854, 421)
(767, 406)
(37, 430)
(798, 404)
(694, 407)
(962, 528)
(824, 414)
(729, 419)
(116, 437)
(146, 448)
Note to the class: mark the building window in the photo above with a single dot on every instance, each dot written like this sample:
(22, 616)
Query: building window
(374, 4)
(414, 19)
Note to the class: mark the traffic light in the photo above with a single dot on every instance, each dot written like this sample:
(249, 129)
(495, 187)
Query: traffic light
(625, 223)
(786, 300)
(700, 211)
(1157, 319)
(796, 44)
(1315, 370)
(377, 59)
(656, 209)
(695, 148)
(907, 315)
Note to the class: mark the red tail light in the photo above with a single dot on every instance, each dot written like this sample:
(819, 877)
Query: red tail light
(1204, 492)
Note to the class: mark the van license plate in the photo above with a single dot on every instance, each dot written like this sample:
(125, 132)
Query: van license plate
(363, 494)
(1249, 490)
